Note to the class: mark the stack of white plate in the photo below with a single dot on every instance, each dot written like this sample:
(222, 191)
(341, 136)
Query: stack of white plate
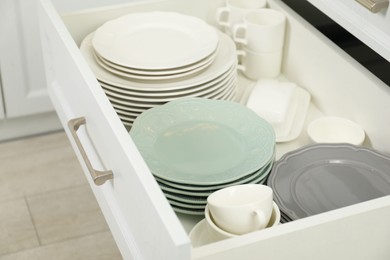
(143, 60)
(195, 146)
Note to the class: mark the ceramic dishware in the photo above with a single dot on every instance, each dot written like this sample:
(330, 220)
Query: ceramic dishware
(201, 141)
(155, 40)
(235, 10)
(322, 177)
(255, 65)
(212, 233)
(242, 208)
(262, 30)
(283, 104)
(193, 148)
(134, 96)
(335, 130)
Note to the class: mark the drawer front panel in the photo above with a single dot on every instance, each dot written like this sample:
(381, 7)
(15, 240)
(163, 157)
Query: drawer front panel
(143, 223)
(363, 235)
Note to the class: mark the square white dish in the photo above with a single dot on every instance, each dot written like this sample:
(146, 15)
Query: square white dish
(283, 104)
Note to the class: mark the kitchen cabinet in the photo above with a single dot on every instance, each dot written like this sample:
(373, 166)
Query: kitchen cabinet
(25, 107)
(140, 218)
(370, 27)
(23, 78)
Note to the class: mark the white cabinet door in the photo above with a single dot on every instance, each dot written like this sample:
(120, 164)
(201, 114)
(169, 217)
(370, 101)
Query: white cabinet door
(140, 218)
(371, 28)
(24, 84)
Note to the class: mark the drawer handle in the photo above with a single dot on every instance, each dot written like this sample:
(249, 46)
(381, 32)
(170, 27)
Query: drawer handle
(374, 5)
(98, 177)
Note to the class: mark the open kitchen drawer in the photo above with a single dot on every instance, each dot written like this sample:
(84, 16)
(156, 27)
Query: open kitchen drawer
(140, 218)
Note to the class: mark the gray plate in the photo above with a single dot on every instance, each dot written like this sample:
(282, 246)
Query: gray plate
(323, 177)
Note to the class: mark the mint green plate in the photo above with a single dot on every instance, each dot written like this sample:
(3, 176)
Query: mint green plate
(202, 141)
(190, 208)
(254, 178)
(198, 188)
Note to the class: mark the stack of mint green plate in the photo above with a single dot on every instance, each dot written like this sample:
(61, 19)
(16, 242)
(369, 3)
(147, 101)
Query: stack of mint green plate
(195, 146)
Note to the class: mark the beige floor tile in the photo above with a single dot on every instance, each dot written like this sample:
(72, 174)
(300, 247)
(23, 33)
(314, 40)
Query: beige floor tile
(37, 165)
(66, 214)
(16, 228)
(99, 246)
(31, 144)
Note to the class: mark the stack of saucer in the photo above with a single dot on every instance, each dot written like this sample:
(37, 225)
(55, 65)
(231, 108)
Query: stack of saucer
(234, 211)
(143, 60)
(195, 146)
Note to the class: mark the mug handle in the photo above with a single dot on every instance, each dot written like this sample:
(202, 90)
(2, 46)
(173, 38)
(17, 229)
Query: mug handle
(261, 217)
(240, 67)
(220, 13)
(236, 29)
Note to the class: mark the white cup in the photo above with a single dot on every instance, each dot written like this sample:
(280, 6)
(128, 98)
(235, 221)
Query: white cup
(241, 209)
(215, 233)
(255, 65)
(262, 30)
(235, 10)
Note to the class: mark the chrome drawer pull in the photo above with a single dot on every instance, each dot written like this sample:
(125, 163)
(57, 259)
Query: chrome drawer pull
(374, 5)
(99, 177)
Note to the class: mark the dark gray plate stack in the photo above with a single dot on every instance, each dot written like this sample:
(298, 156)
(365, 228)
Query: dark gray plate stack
(323, 177)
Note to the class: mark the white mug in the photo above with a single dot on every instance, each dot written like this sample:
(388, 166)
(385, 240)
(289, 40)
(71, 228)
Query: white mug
(242, 208)
(235, 10)
(262, 30)
(256, 65)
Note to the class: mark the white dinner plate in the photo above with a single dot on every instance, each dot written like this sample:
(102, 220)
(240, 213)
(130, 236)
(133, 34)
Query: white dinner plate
(204, 62)
(155, 40)
(164, 97)
(126, 108)
(126, 113)
(132, 75)
(226, 58)
(209, 93)
(232, 72)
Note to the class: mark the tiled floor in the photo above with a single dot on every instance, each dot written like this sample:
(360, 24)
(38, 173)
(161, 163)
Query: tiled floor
(47, 210)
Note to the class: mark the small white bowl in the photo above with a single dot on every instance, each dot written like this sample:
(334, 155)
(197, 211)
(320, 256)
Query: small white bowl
(216, 234)
(335, 130)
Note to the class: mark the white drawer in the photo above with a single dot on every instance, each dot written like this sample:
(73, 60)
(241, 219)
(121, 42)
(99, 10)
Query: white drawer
(140, 218)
